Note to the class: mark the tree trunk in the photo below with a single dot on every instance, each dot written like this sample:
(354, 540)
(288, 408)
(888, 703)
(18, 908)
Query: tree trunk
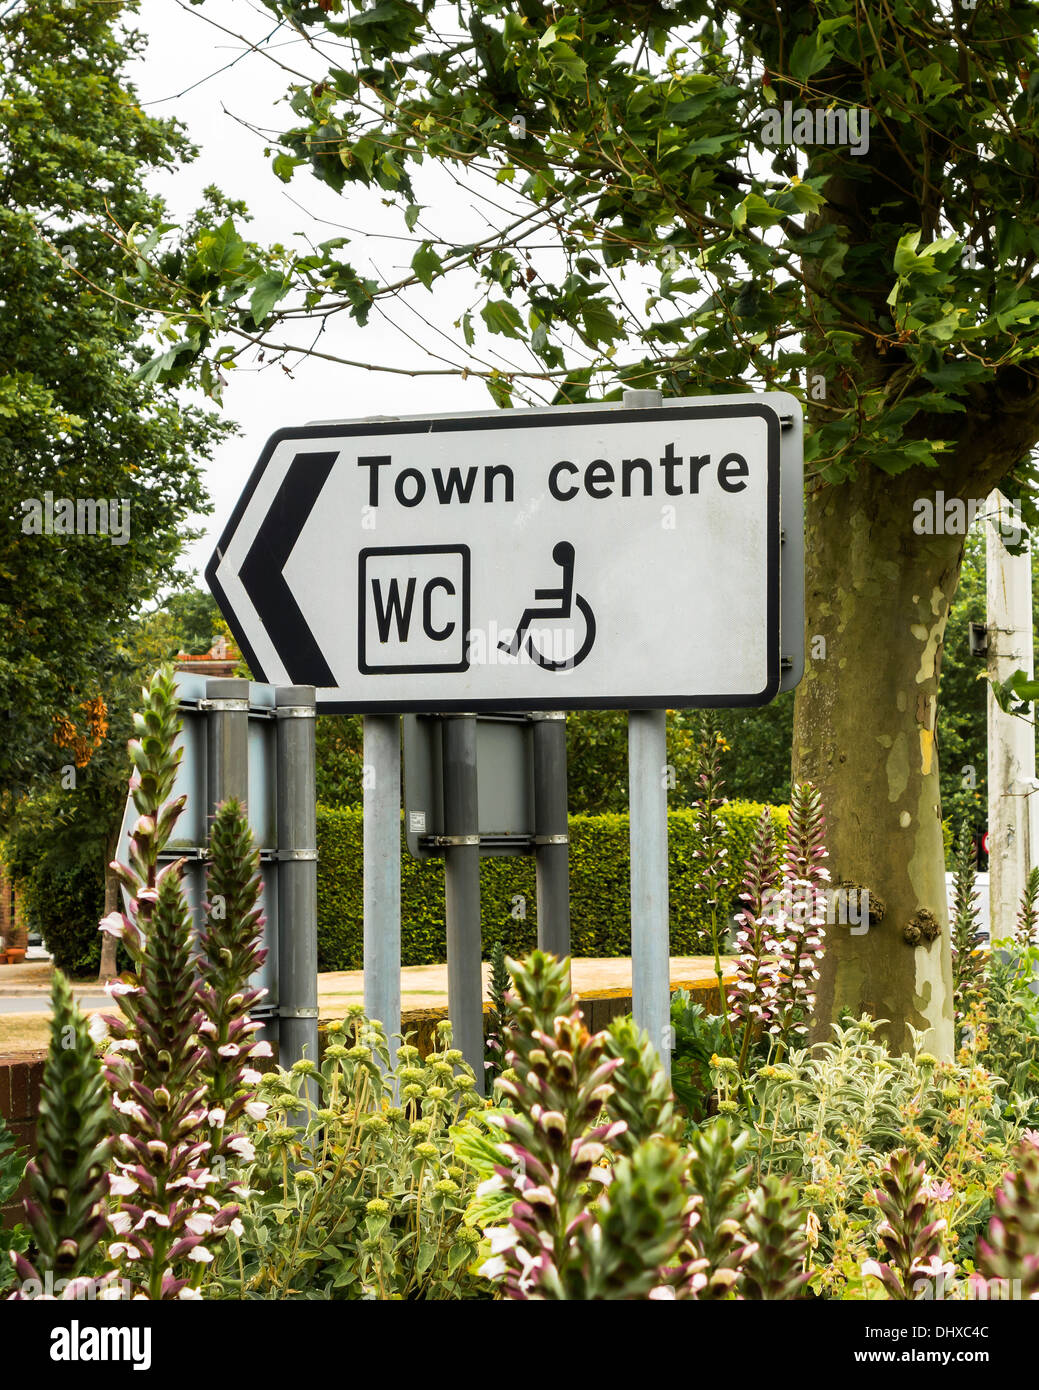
(877, 599)
(109, 944)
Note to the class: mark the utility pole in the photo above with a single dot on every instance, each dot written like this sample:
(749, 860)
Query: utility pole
(1013, 818)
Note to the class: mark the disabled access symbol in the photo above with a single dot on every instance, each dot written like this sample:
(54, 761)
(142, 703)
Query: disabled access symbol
(555, 603)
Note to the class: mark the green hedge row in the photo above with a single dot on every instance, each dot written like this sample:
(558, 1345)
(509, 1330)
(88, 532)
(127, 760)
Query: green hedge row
(600, 904)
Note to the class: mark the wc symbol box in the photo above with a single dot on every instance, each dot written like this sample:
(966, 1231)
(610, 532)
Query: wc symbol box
(413, 609)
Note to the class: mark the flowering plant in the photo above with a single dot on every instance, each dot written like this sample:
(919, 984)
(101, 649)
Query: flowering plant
(364, 1194)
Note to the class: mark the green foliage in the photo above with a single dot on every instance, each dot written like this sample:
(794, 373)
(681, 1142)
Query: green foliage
(59, 838)
(68, 1179)
(339, 754)
(829, 1116)
(1010, 1249)
(600, 904)
(501, 981)
(76, 421)
(359, 1197)
(12, 1170)
(641, 1096)
(64, 903)
(910, 1231)
(774, 1226)
(720, 1176)
(967, 960)
(563, 1242)
(698, 1036)
(1011, 1027)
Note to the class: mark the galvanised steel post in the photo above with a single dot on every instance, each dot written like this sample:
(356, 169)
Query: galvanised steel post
(650, 919)
(297, 876)
(381, 781)
(462, 890)
(551, 833)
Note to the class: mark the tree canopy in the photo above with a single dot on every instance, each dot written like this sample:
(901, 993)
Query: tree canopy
(99, 470)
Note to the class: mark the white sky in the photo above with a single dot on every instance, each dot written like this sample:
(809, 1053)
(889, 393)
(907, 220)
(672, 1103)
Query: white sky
(184, 51)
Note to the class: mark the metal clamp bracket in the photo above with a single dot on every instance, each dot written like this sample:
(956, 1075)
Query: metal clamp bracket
(557, 715)
(295, 712)
(451, 840)
(285, 1011)
(290, 856)
(228, 705)
(551, 839)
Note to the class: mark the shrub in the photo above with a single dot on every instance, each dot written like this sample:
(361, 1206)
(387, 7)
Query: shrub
(359, 1197)
(64, 904)
(599, 890)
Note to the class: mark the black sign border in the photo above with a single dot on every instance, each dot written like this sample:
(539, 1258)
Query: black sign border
(448, 424)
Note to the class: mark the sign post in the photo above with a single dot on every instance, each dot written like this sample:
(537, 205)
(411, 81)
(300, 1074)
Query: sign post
(381, 781)
(640, 556)
(297, 877)
(462, 890)
(551, 833)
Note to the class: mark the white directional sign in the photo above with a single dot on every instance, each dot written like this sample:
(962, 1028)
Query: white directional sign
(575, 557)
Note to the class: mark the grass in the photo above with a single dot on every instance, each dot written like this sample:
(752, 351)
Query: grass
(20, 1033)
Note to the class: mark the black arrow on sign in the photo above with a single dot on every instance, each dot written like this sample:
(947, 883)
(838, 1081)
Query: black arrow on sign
(262, 577)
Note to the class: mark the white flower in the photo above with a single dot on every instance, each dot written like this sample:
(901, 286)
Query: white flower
(123, 1045)
(229, 1050)
(870, 1267)
(97, 1028)
(243, 1147)
(159, 1218)
(251, 1077)
(217, 1116)
(257, 1109)
(120, 1221)
(262, 1049)
(201, 1255)
(200, 1223)
(493, 1268)
(121, 1187)
(114, 924)
(188, 1292)
(125, 1249)
(492, 1184)
(663, 1292)
(113, 988)
(502, 1238)
(236, 1226)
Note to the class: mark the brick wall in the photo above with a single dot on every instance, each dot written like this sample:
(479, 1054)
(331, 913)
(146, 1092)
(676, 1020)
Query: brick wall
(20, 1079)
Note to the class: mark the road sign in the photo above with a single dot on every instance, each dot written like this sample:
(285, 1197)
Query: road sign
(504, 784)
(576, 557)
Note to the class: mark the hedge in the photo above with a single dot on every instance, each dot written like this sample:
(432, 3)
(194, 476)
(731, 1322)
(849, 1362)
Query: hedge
(65, 904)
(600, 903)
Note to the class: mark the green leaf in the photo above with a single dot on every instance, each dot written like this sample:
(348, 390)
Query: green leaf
(267, 291)
(808, 56)
(426, 264)
(222, 249)
(502, 317)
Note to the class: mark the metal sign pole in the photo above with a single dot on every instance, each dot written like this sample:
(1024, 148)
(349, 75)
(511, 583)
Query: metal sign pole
(382, 873)
(297, 877)
(227, 726)
(647, 811)
(650, 925)
(462, 890)
(551, 833)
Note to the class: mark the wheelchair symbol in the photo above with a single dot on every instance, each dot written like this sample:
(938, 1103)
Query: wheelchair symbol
(562, 602)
